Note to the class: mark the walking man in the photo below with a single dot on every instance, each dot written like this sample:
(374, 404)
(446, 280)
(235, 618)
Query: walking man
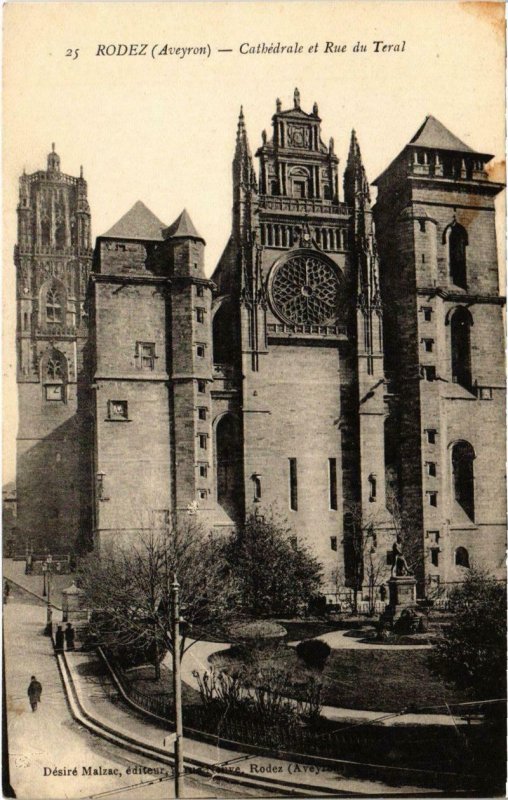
(34, 692)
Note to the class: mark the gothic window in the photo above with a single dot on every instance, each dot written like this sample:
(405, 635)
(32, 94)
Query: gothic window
(333, 543)
(53, 306)
(463, 457)
(54, 368)
(54, 375)
(202, 387)
(327, 192)
(304, 289)
(431, 435)
(229, 464)
(373, 488)
(461, 347)
(274, 187)
(457, 243)
(462, 557)
(45, 231)
(60, 233)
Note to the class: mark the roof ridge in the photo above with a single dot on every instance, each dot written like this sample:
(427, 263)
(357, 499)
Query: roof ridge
(139, 222)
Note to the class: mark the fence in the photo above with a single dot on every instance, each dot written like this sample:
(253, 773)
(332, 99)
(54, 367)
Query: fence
(355, 749)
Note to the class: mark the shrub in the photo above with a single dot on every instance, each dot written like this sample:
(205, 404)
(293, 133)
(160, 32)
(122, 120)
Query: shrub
(313, 652)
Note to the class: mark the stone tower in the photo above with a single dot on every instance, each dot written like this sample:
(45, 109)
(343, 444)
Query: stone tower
(150, 370)
(53, 259)
(444, 347)
(297, 319)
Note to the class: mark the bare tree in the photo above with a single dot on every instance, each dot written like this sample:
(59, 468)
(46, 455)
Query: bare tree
(129, 589)
(364, 536)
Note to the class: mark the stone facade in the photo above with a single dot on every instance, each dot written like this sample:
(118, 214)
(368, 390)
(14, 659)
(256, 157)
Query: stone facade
(52, 259)
(326, 370)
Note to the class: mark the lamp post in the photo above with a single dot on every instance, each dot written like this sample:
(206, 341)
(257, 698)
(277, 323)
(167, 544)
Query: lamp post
(177, 689)
(49, 611)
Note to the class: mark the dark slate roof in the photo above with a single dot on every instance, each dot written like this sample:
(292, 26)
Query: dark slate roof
(138, 223)
(433, 133)
(182, 228)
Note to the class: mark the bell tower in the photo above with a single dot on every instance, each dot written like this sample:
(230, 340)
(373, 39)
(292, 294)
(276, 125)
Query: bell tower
(52, 260)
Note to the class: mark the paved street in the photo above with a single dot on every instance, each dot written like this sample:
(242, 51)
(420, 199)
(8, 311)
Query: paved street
(50, 739)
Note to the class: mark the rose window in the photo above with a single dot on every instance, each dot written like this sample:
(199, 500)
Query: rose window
(305, 290)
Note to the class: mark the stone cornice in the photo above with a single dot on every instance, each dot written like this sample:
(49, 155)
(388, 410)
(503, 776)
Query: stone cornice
(458, 297)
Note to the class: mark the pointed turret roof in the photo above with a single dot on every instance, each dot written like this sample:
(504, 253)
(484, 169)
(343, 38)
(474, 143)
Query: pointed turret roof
(433, 133)
(182, 228)
(138, 223)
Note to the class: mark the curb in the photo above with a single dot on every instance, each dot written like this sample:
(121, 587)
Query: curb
(193, 765)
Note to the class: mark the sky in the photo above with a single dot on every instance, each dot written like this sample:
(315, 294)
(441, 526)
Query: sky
(162, 129)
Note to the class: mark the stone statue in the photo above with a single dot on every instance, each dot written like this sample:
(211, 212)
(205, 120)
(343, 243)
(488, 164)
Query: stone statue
(399, 565)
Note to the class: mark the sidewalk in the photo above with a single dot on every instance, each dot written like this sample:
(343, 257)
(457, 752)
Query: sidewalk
(197, 659)
(99, 700)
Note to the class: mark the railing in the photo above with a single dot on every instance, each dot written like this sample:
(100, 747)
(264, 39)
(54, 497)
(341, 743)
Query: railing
(312, 330)
(304, 205)
(351, 750)
(60, 177)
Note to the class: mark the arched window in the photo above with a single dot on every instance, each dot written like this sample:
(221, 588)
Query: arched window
(54, 375)
(224, 334)
(461, 557)
(463, 457)
(54, 367)
(229, 464)
(45, 231)
(274, 187)
(461, 347)
(53, 306)
(60, 233)
(457, 243)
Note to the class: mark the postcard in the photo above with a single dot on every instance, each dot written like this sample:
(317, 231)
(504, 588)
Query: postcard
(253, 399)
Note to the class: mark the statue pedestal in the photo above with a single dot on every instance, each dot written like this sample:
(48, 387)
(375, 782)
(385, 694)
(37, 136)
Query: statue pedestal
(402, 592)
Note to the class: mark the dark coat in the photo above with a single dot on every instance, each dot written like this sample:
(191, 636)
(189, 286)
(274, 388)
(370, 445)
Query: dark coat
(59, 639)
(34, 691)
(69, 637)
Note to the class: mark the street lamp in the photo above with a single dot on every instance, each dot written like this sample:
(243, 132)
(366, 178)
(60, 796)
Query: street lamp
(177, 689)
(49, 611)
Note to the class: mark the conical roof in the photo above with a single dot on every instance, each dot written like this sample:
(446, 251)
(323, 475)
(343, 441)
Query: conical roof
(182, 228)
(433, 133)
(138, 223)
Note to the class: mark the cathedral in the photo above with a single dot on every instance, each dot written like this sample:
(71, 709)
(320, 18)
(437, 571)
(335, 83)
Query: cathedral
(342, 367)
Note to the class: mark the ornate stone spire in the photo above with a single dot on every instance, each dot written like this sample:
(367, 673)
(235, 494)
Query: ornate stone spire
(355, 178)
(243, 169)
(278, 105)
